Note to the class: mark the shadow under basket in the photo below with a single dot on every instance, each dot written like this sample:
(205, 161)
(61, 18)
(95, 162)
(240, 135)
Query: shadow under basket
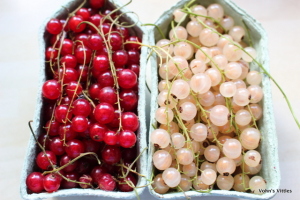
(38, 121)
(268, 145)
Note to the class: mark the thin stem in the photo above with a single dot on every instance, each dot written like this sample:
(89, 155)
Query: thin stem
(158, 28)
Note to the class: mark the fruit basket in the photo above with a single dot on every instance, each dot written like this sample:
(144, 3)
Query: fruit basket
(268, 145)
(38, 121)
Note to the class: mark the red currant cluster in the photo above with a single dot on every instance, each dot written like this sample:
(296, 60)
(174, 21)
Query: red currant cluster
(90, 103)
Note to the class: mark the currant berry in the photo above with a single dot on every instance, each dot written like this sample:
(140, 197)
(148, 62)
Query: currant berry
(130, 121)
(106, 79)
(44, 161)
(133, 45)
(51, 182)
(68, 61)
(97, 172)
(111, 138)
(123, 183)
(128, 100)
(74, 148)
(104, 113)
(57, 146)
(79, 123)
(95, 42)
(84, 13)
(62, 114)
(107, 182)
(108, 95)
(120, 58)
(34, 182)
(94, 91)
(97, 132)
(81, 107)
(66, 132)
(83, 54)
(85, 179)
(69, 184)
(111, 154)
(96, 4)
(67, 47)
(51, 89)
(54, 26)
(126, 78)
(127, 139)
(74, 22)
(66, 160)
(115, 41)
(73, 89)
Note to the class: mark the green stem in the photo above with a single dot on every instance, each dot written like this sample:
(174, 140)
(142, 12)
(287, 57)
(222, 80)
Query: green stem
(158, 28)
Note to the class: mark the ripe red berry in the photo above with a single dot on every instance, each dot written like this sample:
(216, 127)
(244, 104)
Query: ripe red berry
(83, 73)
(69, 61)
(127, 139)
(128, 100)
(51, 54)
(96, 4)
(97, 172)
(74, 22)
(57, 146)
(100, 64)
(133, 57)
(135, 68)
(124, 32)
(67, 47)
(81, 107)
(120, 58)
(130, 121)
(67, 75)
(107, 183)
(134, 43)
(81, 39)
(123, 183)
(68, 184)
(94, 91)
(104, 113)
(51, 182)
(126, 78)
(97, 132)
(62, 114)
(129, 154)
(108, 95)
(79, 123)
(83, 54)
(111, 138)
(106, 79)
(65, 159)
(74, 148)
(34, 182)
(66, 132)
(54, 26)
(44, 161)
(52, 127)
(115, 41)
(111, 154)
(95, 42)
(116, 122)
(73, 89)
(44, 141)
(91, 146)
(95, 19)
(51, 89)
(84, 13)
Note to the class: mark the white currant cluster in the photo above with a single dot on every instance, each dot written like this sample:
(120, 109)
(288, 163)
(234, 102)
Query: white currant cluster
(208, 106)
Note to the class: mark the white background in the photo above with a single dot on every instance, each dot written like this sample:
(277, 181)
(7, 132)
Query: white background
(19, 67)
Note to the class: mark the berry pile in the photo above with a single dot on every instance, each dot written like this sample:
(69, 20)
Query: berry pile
(90, 103)
(207, 136)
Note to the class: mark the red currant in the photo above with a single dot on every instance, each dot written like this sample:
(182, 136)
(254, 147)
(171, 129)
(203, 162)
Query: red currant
(111, 154)
(67, 47)
(34, 182)
(106, 79)
(62, 114)
(94, 90)
(57, 146)
(104, 113)
(111, 138)
(51, 89)
(115, 41)
(133, 57)
(74, 148)
(79, 123)
(44, 161)
(68, 61)
(106, 182)
(51, 182)
(130, 121)
(85, 179)
(129, 100)
(74, 22)
(54, 26)
(133, 43)
(95, 42)
(68, 184)
(96, 4)
(126, 78)
(123, 185)
(65, 160)
(73, 89)
(120, 58)
(83, 54)
(108, 95)
(100, 64)
(81, 107)
(66, 132)
(97, 132)
(127, 139)
(84, 13)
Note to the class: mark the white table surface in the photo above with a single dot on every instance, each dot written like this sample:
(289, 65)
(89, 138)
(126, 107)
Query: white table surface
(19, 64)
